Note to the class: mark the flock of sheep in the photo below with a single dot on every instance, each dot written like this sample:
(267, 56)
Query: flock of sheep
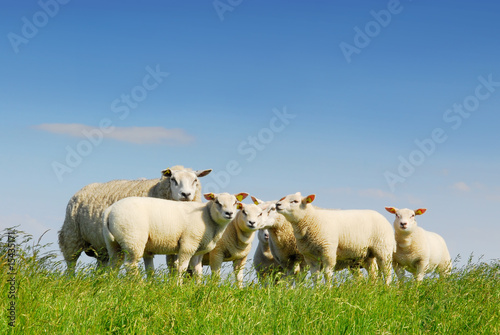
(122, 221)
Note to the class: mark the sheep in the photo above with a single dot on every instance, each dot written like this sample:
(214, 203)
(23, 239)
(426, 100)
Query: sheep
(345, 237)
(417, 250)
(139, 226)
(263, 261)
(236, 242)
(82, 228)
(282, 241)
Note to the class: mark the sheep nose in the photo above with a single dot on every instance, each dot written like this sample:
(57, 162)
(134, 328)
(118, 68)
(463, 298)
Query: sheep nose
(278, 205)
(229, 214)
(403, 224)
(185, 195)
(251, 223)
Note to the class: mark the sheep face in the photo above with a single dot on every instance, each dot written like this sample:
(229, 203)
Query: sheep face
(293, 206)
(269, 212)
(251, 216)
(184, 183)
(405, 218)
(270, 215)
(263, 236)
(224, 206)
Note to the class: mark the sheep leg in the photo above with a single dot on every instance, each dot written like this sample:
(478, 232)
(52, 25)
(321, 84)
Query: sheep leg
(71, 264)
(114, 253)
(328, 266)
(196, 263)
(238, 266)
(355, 272)
(444, 268)
(400, 271)
(182, 264)
(131, 260)
(315, 267)
(149, 265)
(171, 263)
(216, 260)
(71, 249)
(421, 266)
(384, 269)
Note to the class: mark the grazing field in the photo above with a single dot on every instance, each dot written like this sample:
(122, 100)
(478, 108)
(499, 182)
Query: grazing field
(47, 301)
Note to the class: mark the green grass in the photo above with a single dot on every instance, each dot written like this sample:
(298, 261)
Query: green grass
(49, 302)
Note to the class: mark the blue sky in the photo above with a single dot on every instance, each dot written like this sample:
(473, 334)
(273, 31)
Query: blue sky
(364, 103)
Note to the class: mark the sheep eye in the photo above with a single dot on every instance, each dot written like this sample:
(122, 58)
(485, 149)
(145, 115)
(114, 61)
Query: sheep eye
(195, 181)
(413, 216)
(218, 203)
(294, 201)
(260, 214)
(174, 181)
(244, 212)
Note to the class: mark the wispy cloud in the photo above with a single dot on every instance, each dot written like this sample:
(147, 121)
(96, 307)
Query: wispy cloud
(376, 193)
(373, 193)
(461, 186)
(138, 135)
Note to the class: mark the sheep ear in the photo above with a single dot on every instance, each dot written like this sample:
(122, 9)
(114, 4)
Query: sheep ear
(282, 199)
(239, 205)
(166, 173)
(202, 173)
(209, 196)
(241, 196)
(420, 211)
(391, 210)
(256, 201)
(310, 198)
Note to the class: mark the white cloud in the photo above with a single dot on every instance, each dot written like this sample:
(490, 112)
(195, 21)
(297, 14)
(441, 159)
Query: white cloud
(376, 193)
(461, 186)
(373, 193)
(138, 135)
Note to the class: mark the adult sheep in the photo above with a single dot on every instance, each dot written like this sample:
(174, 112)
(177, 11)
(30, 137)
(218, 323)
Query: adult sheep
(327, 237)
(417, 250)
(82, 228)
(138, 226)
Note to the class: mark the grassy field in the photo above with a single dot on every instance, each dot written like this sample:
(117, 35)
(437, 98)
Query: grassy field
(46, 301)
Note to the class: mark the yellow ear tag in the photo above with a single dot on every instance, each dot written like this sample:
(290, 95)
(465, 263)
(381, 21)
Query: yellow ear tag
(310, 198)
(241, 196)
(391, 210)
(420, 211)
(209, 196)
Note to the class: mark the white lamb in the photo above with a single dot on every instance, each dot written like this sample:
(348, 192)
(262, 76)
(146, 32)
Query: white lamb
(282, 241)
(236, 242)
(82, 228)
(328, 237)
(140, 226)
(263, 261)
(417, 250)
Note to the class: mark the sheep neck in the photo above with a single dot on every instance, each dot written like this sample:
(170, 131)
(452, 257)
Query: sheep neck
(245, 237)
(279, 230)
(304, 224)
(404, 240)
(215, 215)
